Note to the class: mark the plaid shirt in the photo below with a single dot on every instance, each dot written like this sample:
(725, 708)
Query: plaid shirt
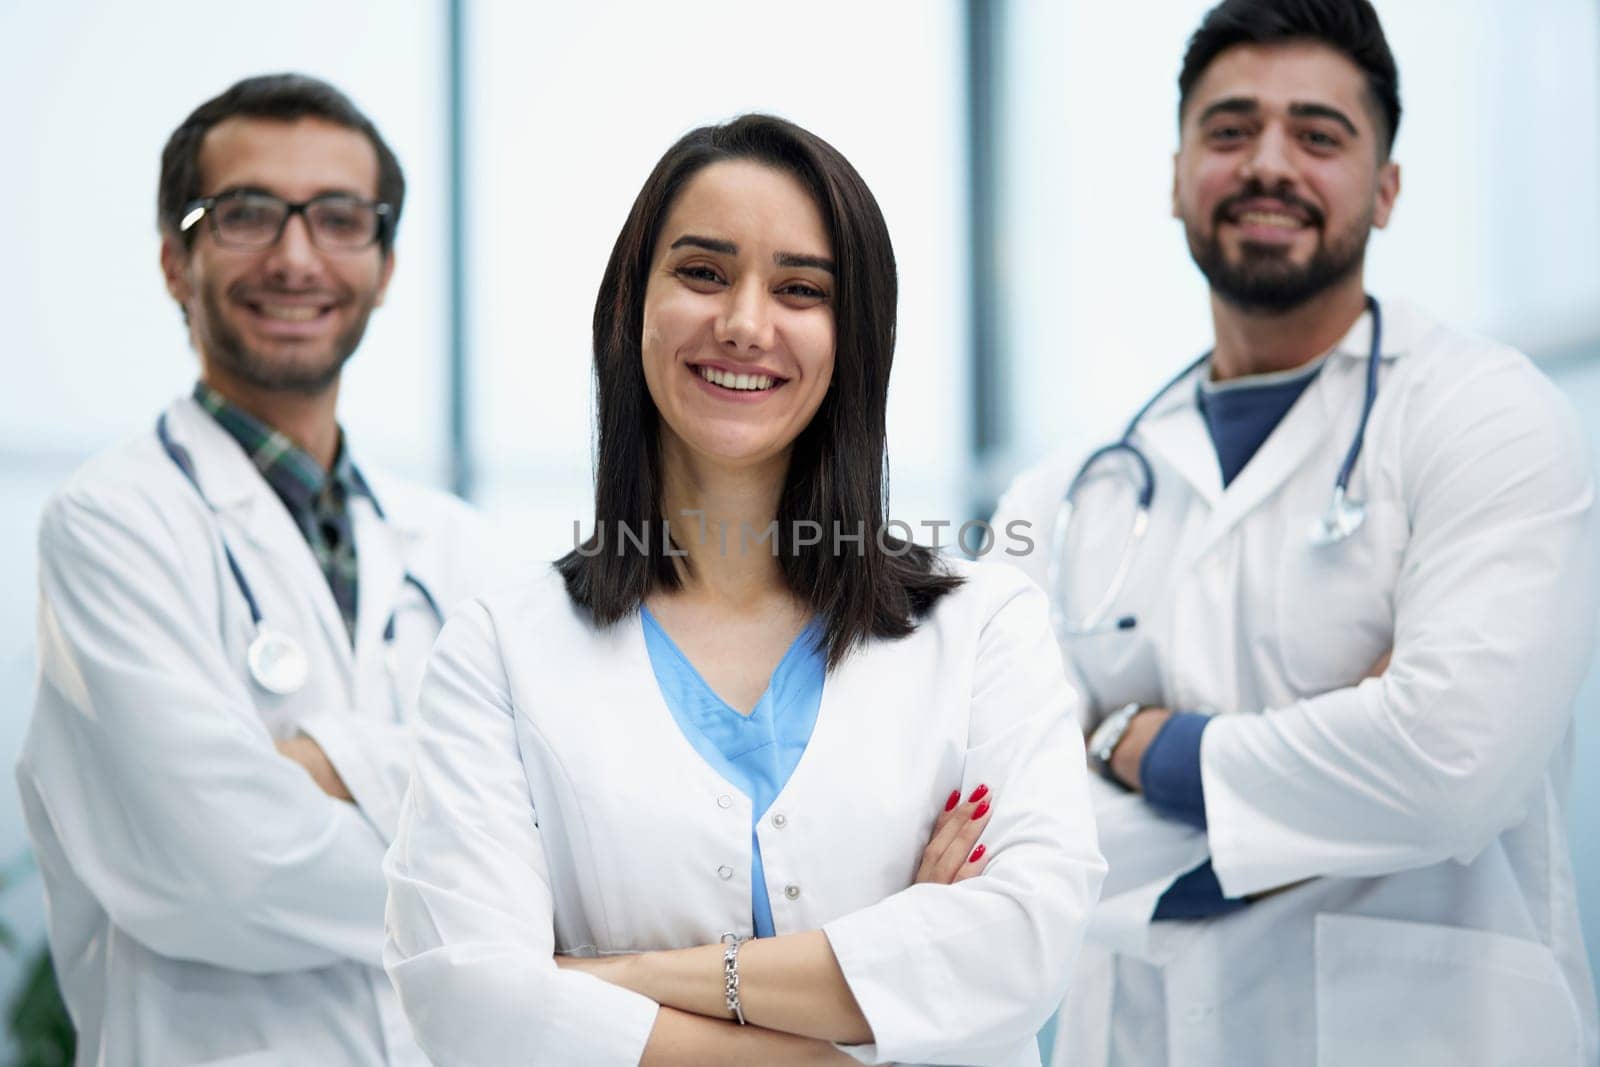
(316, 499)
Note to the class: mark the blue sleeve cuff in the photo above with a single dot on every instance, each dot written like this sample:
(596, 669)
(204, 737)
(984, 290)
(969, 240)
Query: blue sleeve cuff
(1169, 773)
(1197, 895)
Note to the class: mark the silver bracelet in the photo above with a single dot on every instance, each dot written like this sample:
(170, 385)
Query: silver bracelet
(730, 975)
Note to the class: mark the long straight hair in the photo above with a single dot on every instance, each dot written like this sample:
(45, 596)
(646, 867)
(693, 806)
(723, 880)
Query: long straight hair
(877, 586)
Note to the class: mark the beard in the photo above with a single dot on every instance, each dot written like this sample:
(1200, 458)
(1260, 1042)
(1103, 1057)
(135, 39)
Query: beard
(1263, 279)
(309, 374)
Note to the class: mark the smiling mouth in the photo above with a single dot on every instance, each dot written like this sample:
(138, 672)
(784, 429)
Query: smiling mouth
(1274, 219)
(738, 383)
(289, 312)
(297, 310)
(1261, 212)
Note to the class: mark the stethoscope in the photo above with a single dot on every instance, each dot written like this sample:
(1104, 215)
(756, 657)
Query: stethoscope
(1342, 519)
(277, 662)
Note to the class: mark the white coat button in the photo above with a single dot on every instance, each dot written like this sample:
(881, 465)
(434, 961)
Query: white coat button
(724, 801)
(1195, 1014)
(780, 820)
(791, 892)
(724, 872)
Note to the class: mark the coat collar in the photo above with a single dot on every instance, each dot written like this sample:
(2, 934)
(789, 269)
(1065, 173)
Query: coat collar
(230, 482)
(234, 485)
(1404, 326)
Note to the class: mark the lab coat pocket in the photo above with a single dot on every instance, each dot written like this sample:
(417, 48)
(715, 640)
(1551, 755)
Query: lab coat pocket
(1335, 603)
(1424, 995)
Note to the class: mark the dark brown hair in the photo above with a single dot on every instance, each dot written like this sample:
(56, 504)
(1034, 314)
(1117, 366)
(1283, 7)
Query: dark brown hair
(1347, 26)
(877, 587)
(268, 96)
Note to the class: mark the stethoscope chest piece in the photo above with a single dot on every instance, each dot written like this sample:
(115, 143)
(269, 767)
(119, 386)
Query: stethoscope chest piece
(277, 662)
(1342, 519)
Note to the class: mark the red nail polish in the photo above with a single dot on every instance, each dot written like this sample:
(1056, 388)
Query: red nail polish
(983, 809)
(978, 794)
(977, 854)
(955, 798)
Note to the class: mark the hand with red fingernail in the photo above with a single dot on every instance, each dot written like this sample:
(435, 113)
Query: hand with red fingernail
(954, 852)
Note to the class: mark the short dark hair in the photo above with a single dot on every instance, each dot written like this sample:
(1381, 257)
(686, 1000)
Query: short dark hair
(1347, 26)
(268, 96)
(882, 585)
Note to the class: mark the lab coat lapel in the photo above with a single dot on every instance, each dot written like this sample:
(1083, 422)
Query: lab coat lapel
(1285, 451)
(381, 552)
(1176, 439)
(246, 505)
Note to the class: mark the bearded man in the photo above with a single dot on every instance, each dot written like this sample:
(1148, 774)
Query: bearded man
(1329, 599)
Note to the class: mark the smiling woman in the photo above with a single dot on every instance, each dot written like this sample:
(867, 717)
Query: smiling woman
(685, 296)
(827, 784)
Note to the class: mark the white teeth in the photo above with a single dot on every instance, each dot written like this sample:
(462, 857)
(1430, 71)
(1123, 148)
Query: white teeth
(1271, 218)
(289, 312)
(742, 382)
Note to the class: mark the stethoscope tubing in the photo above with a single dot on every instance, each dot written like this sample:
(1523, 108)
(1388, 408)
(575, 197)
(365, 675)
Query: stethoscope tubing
(181, 459)
(1374, 357)
(1092, 623)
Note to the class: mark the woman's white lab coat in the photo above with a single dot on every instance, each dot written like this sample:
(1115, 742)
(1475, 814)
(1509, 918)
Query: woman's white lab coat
(207, 902)
(1423, 811)
(556, 808)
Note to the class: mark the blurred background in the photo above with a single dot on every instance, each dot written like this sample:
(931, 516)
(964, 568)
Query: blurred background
(1020, 150)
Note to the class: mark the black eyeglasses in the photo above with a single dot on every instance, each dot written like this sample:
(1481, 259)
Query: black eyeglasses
(338, 222)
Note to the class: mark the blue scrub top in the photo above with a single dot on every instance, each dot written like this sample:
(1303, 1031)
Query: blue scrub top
(756, 753)
(1241, 413)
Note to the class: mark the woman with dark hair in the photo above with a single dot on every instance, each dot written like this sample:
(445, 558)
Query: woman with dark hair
(712, 789)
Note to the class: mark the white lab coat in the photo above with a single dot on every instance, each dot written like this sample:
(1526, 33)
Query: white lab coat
(556, 807)
(207, 902)
(1427, 808)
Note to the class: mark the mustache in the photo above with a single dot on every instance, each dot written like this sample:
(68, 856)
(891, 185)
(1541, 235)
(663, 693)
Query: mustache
(1229, 205)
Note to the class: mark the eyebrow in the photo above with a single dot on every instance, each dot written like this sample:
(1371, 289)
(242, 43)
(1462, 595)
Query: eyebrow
(795, 259)
(728, 248)
(252, 190)
(263, 191)
(710, 244)
(1244, 105)
(1323, 111)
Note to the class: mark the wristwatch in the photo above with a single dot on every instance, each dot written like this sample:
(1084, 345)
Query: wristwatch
(1103, 742)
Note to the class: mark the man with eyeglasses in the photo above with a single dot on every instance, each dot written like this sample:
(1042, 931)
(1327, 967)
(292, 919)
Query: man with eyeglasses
(232, 625)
